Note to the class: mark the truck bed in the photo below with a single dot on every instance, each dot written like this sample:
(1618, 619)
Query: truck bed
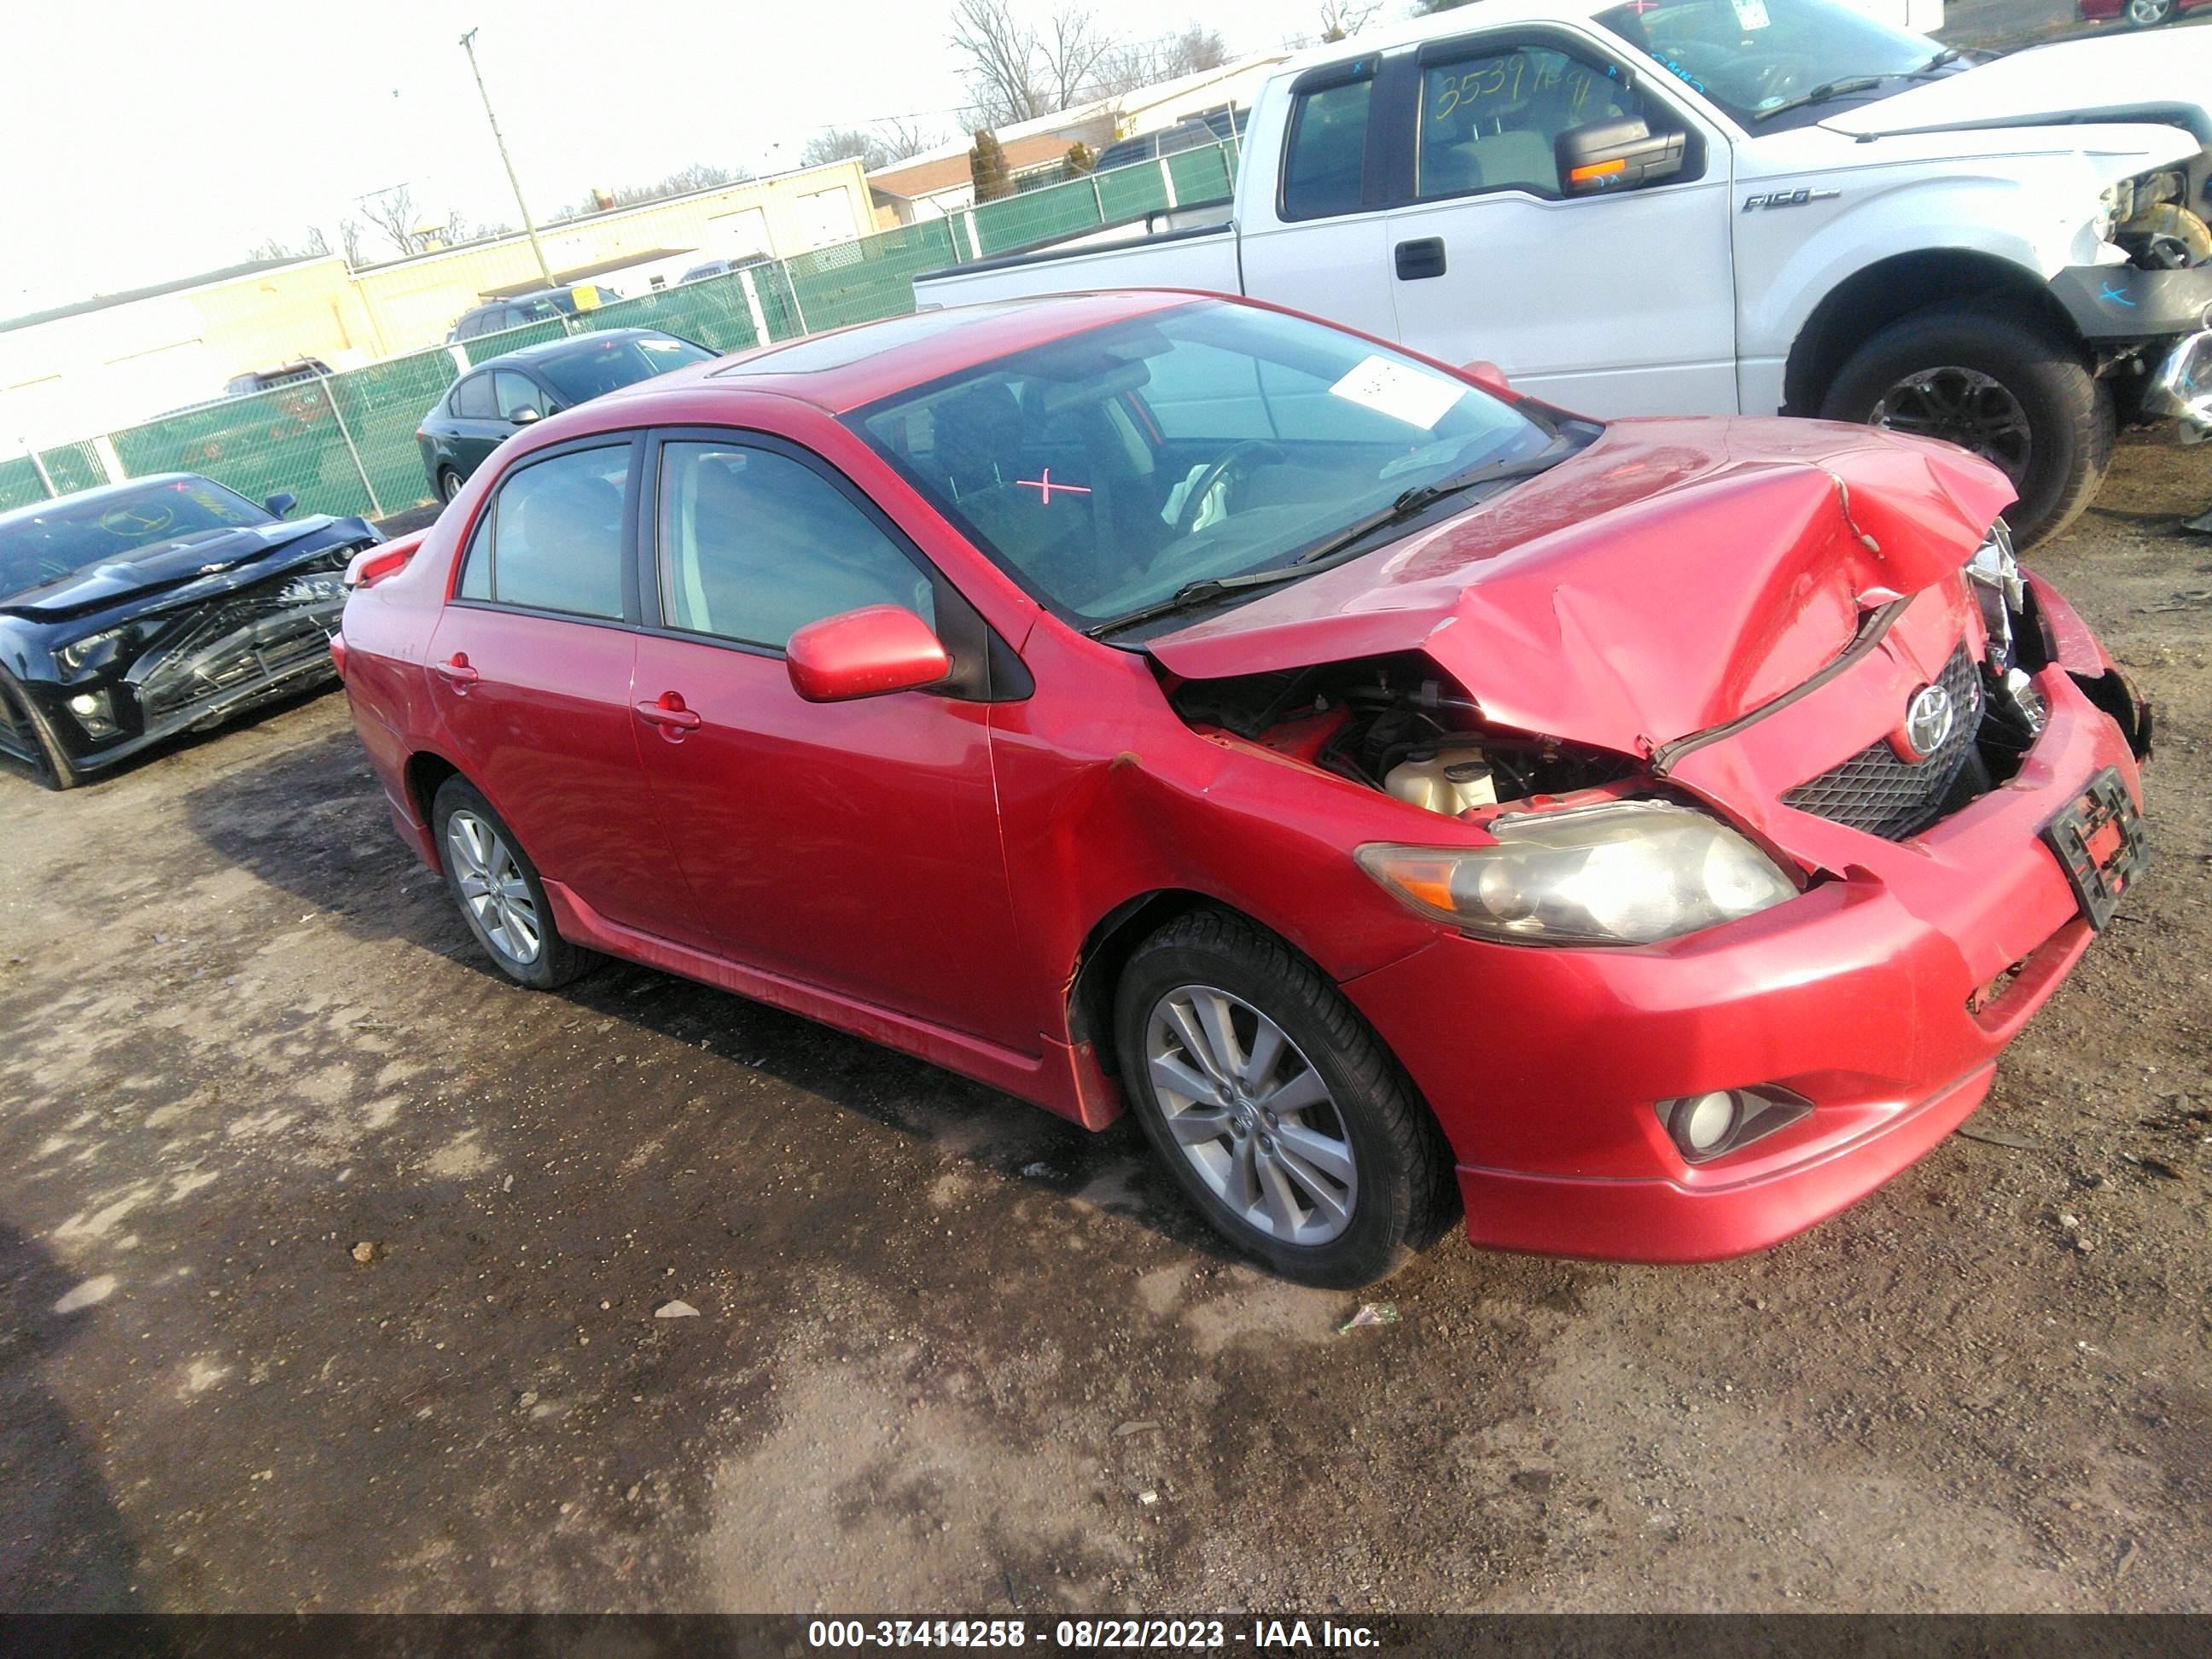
(1199, 256)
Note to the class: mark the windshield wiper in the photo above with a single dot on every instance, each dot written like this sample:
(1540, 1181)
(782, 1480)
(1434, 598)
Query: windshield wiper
(1942, 59)
(1822, 94)
(1345, 544)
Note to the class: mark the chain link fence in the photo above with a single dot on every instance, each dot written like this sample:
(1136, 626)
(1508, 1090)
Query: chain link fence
(345, 443)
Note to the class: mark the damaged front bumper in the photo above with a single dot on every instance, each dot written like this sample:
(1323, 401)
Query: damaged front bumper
(2181, 386)
(1882, 999)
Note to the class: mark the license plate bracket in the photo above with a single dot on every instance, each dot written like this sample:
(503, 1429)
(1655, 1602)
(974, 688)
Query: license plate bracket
(2098, 841)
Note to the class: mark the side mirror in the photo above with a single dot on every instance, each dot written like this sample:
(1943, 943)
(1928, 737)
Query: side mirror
(280, 503)
(1488, 375)
(867, 653)
(1616, 155)
(526, 414)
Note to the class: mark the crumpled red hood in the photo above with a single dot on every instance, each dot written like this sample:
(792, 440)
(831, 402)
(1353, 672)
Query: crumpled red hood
(1677, 574)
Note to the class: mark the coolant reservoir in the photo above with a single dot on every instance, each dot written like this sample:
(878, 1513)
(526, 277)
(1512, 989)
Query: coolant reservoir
(1447, 781)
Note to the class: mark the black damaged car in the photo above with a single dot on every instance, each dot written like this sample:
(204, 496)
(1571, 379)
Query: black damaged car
(165, 605)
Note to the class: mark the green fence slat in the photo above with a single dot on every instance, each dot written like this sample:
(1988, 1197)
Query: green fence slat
(1129, 192)
(284, 440)
(383, 404)
(73, 467)
(19, 484)
(1200, 175)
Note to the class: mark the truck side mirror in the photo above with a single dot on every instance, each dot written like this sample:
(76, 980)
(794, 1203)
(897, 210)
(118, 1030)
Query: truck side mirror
(1488, 375)
(1616, 155)
(280, 503)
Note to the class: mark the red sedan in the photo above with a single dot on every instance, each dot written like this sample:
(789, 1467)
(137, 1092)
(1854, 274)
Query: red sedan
(2138, 14)
(1368, 776)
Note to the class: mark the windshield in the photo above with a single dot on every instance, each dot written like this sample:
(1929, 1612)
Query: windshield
(1751, 57)
(603, 365)
(1109, 470)
(44, 544)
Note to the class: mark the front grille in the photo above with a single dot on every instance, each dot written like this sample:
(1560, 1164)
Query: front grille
(1878, 791)
(262, 634)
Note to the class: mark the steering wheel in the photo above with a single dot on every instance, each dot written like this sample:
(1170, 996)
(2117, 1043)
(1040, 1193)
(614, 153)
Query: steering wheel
(1237, 455)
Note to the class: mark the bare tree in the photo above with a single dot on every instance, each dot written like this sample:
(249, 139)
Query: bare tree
(314, 244)
(392, 211)
(1193, 51)
(700, 175)
(350, 231)
(1016, 72)
(836, 143)
(1342, 19)
(900, 141)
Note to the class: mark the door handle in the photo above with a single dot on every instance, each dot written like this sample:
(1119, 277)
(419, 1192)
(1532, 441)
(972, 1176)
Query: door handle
(668, 710)
(457, 671)
(1422, 259)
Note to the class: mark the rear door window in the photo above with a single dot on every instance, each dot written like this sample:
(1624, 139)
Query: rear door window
(473, 400)
(1326, 158)
(553, 539)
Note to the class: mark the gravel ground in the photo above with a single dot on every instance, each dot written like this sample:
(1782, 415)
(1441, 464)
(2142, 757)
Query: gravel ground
(330, 1265)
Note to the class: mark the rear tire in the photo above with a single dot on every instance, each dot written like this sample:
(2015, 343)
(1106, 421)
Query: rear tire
(2010, 391)
(53, 767)
(449, 485)
(2147, 14)
(1324, 1162)
(496, 888)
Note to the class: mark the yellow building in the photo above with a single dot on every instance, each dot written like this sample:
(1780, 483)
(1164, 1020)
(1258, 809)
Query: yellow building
(118, 359)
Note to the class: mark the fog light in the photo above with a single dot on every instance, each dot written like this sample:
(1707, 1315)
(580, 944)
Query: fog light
(1703, 1123)
(1703, 1127)
(94, 713)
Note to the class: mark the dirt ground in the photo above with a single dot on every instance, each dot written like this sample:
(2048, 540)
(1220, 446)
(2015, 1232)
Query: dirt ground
(944, 1343)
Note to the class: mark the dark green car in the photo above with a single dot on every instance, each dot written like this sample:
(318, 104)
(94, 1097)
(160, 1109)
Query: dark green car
(496, 399)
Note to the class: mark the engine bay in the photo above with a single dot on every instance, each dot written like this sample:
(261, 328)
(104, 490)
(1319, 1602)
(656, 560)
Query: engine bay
(1395, 725)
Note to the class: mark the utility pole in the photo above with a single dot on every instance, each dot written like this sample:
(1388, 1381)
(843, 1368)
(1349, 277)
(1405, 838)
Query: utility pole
(469, 45)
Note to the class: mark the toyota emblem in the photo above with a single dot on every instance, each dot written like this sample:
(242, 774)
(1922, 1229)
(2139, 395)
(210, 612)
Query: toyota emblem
(1928, 719)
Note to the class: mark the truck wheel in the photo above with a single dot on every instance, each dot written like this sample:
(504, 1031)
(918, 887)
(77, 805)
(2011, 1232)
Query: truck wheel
(2013, 393)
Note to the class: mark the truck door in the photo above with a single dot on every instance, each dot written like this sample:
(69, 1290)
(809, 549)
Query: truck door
(1618, 303)
(1320, 244)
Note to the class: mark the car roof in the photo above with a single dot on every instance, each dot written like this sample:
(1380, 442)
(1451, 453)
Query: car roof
(17, 515)
(560, 348)
(847, 367)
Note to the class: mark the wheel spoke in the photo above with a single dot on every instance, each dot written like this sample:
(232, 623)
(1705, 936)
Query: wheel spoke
(522, 930)
(1280, 1203)
(1325, 1195)
(1299, 1094)
(1228, 1055)
(1172, 1075)
(1199, 1126)
(1267, 1048)
(1330, 1156)
(1185, 1026)
(1240, 1186)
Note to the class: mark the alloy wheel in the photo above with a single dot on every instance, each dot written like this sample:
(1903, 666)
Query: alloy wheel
(1962, 406)
(492, 887)
(2144, 14)
(1252, 1115)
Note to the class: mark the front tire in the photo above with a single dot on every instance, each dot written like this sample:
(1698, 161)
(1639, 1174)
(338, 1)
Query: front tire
(2147, 14)
(52, 766)
(2010, 392)
(496, 888)
(1278, 1112)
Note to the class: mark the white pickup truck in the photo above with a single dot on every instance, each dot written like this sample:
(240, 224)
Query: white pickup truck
(1735, 206)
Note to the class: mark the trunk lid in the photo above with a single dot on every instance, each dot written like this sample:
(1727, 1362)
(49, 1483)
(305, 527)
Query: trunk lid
(1676, 574)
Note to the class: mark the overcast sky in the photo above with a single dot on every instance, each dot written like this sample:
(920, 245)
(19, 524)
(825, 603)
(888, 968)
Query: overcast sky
(146, 140)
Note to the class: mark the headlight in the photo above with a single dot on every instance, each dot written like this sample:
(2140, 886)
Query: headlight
(2115, 206)
(1625, 872)
(91, 648)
